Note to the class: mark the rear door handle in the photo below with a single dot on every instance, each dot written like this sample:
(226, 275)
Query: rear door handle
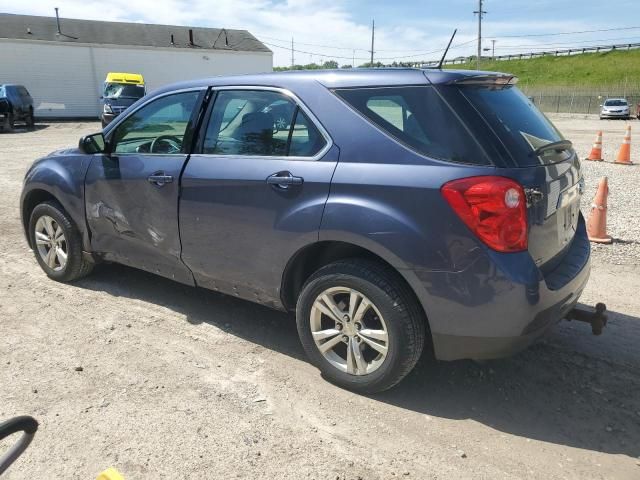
(284, 179)
(159, 179)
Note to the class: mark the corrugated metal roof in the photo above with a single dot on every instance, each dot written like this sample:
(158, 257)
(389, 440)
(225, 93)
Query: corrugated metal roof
(28, 27)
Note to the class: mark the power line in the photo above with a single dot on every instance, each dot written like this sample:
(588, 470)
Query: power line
(397, 57)
(564, 33)
(541, 45)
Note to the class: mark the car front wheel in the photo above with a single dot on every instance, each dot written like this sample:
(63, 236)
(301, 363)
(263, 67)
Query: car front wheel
(57, 243)
(360, 325)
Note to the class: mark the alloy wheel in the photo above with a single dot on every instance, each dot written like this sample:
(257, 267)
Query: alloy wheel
(349, 331)
(51, 243)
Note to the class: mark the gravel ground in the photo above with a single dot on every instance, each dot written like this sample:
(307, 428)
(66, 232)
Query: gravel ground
(179, 382)
(623, 215)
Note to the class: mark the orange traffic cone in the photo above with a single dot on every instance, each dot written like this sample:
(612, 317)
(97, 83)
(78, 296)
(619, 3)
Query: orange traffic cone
(596, 150)
(597, 223)
(624, 154)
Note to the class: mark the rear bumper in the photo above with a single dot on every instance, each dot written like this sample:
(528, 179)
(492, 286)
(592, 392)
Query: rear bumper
(499, 307)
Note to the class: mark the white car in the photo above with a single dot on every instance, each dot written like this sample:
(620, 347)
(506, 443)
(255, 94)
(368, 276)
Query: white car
(615, 108)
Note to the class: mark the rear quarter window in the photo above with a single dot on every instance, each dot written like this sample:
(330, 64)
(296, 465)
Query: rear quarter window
(417, 117)
(514, 119)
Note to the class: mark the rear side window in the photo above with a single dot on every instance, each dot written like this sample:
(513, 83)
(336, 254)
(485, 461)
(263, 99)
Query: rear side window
(260, 123)
(417, 117)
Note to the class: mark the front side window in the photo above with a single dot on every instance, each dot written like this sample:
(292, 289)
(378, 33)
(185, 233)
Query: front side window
(260, 123)
(158, 127)
(417, 117)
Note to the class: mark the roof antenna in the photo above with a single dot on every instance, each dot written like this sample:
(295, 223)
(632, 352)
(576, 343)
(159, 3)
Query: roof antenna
(57, 21)
(446, 50)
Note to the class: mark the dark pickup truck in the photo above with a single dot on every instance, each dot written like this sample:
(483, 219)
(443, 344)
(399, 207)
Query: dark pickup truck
(16, 105)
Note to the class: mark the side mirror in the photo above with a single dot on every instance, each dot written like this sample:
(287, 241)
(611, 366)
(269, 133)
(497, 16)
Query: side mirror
(91, 144)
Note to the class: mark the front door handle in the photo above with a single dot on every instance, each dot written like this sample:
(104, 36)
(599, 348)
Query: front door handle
(284, 179)
(160, 179)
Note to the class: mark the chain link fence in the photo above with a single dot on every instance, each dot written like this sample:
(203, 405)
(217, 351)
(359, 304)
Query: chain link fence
(586, 100)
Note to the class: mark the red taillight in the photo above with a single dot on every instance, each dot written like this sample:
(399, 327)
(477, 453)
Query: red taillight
(494, 208)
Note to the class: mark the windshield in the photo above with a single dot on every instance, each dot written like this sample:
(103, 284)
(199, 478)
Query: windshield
(615, 103)
(121, 90)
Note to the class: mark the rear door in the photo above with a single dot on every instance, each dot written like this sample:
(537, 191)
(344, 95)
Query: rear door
(254, 193)
(551, 177)
(132, 193)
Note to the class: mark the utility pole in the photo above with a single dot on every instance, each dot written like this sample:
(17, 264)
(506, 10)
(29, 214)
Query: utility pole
(353, 64)
(480, 12)
(293, 62)
(373, 37)
(493, 49)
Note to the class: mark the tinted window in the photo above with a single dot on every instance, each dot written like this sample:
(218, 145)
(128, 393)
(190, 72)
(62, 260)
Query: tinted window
(158, 127)
(516, 121)
(417, 117)
(259, 123)
(306, 140)
(23, 92)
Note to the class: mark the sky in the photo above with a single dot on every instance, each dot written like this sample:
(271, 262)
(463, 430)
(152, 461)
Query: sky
(406, 30)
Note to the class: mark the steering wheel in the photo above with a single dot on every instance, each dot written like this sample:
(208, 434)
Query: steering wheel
(175, 143)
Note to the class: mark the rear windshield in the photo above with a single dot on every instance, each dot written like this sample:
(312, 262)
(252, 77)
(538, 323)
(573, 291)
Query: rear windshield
(516, 121)
(417, 117)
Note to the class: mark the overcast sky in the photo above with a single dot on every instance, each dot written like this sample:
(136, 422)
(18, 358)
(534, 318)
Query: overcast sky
(405, 30)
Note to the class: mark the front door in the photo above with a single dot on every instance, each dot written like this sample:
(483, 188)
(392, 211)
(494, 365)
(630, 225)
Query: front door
(254, 193)
(132, 193)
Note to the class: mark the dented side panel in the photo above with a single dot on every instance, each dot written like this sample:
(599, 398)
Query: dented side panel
(133, 221)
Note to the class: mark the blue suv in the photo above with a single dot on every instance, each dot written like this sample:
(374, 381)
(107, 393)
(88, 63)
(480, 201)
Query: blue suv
(391, 209)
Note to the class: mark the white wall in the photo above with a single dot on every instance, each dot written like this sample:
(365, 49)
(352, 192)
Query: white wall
(66, 80)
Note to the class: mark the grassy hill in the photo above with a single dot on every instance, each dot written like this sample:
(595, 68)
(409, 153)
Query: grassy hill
(589, 69)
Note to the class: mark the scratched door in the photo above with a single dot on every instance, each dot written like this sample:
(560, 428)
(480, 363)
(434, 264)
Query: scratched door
(132, 194)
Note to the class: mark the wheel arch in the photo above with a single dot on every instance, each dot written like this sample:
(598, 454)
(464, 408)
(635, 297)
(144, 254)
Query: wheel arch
(312, 257)
(39, 194)
(31, 200)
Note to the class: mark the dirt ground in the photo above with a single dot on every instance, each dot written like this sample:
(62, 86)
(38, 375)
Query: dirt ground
(184, 383)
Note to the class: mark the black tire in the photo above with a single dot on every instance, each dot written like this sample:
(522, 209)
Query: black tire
(77, 266)
(11, 122)
(31, 121)
(403, 316)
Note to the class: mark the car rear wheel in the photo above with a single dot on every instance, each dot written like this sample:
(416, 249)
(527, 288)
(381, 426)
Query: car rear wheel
(360, 325)
(11, 122)
(31, 122)
(57, 243)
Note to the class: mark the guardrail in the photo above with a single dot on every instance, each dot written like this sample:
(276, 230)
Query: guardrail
(520, 56)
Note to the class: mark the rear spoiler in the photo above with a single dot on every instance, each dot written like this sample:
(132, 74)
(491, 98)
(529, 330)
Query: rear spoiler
(491, 80)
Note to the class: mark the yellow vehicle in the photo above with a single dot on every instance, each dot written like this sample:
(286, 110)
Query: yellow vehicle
(120, 91)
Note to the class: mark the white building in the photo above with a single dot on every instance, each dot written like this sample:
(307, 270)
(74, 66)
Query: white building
(64, 64)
